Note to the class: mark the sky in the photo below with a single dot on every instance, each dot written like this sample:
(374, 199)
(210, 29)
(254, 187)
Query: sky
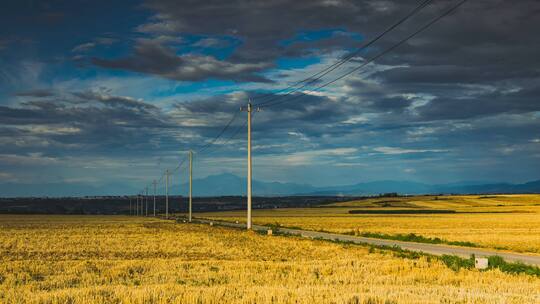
(115, 92)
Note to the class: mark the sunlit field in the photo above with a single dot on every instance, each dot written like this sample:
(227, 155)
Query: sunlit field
(510, 222)
(120, 259)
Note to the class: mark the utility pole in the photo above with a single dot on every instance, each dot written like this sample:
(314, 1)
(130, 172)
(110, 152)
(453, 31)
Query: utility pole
(142, 203)
(190, 182)
(249, 109)
(146, 200)
(130, 205)
(167, 193)
(154, 197)
(137, 206)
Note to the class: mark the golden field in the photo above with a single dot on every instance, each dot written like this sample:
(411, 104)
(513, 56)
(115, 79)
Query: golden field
(120, 259)
(509, 222)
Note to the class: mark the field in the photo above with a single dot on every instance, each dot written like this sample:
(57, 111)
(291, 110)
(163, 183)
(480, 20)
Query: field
(510, 222)
(121, 259)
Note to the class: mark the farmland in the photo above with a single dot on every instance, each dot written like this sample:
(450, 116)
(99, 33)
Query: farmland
(121, 259)
(509, 222)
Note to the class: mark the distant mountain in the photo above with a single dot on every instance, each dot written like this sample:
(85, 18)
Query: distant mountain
(377, 187)
(530, 187)
(401, 187)
(230, 184)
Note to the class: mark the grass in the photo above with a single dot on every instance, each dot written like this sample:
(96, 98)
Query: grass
(501, 264)
(451, 261)
(118, 259)
(411, 237)
(402, 211)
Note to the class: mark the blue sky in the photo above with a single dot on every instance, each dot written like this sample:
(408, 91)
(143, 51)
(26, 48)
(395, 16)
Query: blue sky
(95, 92)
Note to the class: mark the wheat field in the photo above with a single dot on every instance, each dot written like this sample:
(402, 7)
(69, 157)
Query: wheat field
(120, 259)
(508, 222)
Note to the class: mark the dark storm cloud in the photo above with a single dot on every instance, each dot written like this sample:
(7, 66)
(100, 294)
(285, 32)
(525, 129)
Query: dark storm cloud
(153, 58)
(478, 29)
(4, 44)
(36, 93)
(114, 101)
(86, 122)
(521, 101)
(464, 92)
(306, 113)
(261, 25)
(443, 74)
(482, 43)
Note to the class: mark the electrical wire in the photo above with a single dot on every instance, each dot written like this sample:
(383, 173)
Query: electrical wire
(275, 101)
(314, 78)
(365, 63)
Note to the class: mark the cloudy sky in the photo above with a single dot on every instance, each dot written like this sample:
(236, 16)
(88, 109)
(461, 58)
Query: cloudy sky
(95, 92)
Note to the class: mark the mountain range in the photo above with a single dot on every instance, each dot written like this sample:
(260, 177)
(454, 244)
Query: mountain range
(230, 184)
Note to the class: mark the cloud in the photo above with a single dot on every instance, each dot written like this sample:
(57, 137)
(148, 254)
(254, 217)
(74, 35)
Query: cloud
(210, 43)
(84, 47)
(36, 93)
(397, 150)
(481, 104)
(3, 44)
(50, 130)
(88, 122)
(459, 100)
(319, 156)
(29, 159)
(7, 177)
(114, 101)
(153, 58)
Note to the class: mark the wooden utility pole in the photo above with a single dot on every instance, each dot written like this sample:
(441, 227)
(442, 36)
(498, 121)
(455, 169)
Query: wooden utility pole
(142, 204)
(190, 182)
(146, 200)
(154, 197)
(167, 193)
(130, 205)
(249, 109)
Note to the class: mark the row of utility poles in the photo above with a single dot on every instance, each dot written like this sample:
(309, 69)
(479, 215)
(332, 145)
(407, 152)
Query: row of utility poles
(141, 202)
(138, 210)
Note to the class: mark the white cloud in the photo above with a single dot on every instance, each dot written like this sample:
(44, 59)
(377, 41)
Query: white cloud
(7, 177)
(27, 160)
(298, 135)
(50, 130)
(314, 156)
(84, 47)
(357, 119)
(422, 131)
(396, 150)
(160, 27)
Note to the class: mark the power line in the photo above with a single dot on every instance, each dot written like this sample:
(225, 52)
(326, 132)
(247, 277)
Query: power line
(325, 71)
(365, 63)
(219, 134)
(320, 74)
(233, 135)
(309, 80)
(275, 101)
(350, 56)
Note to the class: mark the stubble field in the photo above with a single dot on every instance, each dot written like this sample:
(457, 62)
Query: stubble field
(507, 222)
(120, 259)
